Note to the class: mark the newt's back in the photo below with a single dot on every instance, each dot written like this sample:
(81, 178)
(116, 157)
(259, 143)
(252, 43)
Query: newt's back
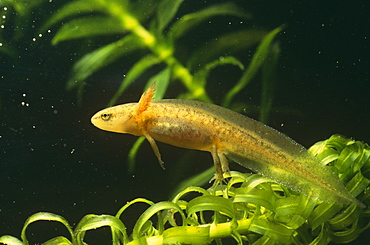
(269, 152)
(225, 134)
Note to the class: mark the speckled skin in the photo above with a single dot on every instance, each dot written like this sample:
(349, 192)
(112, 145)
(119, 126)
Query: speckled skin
(226, 134)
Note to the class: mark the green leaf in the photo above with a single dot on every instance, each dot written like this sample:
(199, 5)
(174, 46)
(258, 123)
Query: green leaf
(92, 222)
(350, 160)
(166, 11)
(162, 79)
(71, 9)
(10, 240)
(7, 49)
(322, 213)
(269, 75)
(139, 68)
(88, 27)
(144, 9)
(186, 22)
(345, 219)
(322, 238)
(357, 184)
(257, 60)
(272, 230)
(22, 7)
(195, 180)
(45, 216)
(201, 75)
(336, 142)
(324, 152)
(60, 240)
(227, 44)
(137, 200)
(101, 57)
(133, 153)
(211, 203)
(187, 235)
(155, 208)
(346, 235)
(292, 218)
(256, 196)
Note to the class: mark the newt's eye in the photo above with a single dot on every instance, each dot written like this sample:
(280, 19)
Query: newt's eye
(105, 116)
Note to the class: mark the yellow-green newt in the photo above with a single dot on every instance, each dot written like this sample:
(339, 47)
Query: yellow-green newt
(225, 134)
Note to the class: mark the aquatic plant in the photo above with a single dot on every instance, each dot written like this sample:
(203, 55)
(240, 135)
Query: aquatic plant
(154, 29)
(249, 208)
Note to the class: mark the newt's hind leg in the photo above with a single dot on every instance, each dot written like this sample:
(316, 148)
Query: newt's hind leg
(220, 162)
(224, 165)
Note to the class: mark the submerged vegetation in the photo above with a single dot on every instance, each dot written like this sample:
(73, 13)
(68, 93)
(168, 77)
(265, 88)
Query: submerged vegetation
(154, 29)
(249, 209)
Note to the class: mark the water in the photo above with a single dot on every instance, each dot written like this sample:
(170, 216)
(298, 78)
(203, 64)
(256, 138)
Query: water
(53, 159)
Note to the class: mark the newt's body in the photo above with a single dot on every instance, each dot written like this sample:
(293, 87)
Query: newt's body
(226, 134)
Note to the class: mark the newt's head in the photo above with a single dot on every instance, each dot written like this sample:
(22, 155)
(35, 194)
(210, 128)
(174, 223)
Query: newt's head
(117, 119)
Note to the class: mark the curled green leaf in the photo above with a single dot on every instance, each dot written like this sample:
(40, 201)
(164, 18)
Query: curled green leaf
(46, 216)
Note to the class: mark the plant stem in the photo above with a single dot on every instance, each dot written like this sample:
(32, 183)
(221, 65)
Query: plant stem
(162, 50)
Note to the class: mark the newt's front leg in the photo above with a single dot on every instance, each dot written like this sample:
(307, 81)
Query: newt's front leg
(155, 148)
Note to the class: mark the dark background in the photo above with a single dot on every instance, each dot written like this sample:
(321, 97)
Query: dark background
(53, 159)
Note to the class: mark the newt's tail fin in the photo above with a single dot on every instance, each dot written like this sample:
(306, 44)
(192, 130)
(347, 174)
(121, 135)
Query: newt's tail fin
(313, 178)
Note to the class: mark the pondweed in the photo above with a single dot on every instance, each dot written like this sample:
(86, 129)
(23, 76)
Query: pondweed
(248, 208)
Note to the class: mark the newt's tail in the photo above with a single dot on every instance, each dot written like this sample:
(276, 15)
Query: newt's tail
(305, 175)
